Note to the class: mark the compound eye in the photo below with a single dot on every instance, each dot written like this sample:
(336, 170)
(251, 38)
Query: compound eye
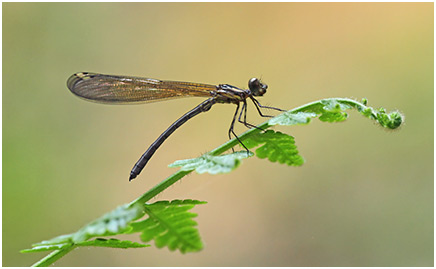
(256, 87)
(254, 83)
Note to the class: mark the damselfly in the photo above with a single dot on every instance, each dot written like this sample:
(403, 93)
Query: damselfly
(123, 89)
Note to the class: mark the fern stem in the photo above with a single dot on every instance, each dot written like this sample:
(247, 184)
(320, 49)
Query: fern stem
(232, 143)
(53, 257)
(160, 187)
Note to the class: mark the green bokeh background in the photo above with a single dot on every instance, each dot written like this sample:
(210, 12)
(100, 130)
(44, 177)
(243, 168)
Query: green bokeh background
(364, 197)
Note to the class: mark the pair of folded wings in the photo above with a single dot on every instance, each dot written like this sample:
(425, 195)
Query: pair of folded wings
(122, 89)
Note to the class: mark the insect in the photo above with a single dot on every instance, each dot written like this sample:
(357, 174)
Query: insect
(112, 89)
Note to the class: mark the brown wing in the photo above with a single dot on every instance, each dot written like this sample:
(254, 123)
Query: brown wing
(122, 89)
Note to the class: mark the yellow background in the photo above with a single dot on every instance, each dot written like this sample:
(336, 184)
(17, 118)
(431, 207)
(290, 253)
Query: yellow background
(364, 197)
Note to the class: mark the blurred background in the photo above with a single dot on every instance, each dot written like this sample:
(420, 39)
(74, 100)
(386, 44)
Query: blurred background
(364, 197)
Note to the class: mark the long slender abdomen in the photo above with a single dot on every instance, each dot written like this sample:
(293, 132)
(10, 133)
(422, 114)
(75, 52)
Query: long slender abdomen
(140, 164)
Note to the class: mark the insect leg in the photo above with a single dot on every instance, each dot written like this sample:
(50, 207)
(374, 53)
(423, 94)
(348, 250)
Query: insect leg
(246, 124)
(257, 105)
(231, 131)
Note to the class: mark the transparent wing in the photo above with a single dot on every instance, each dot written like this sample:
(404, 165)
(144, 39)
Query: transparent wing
(123, 89)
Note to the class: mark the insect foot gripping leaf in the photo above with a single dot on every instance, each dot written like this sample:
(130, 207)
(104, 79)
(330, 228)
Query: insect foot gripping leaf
(170, 224)
(277, 147)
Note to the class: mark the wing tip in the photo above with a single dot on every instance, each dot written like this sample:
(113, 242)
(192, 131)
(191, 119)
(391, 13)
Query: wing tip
(77, 77)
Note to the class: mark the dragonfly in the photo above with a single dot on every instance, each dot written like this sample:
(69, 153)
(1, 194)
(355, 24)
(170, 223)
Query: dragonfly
(113, 89)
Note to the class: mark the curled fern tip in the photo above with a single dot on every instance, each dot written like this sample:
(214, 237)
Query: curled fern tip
(392, 120)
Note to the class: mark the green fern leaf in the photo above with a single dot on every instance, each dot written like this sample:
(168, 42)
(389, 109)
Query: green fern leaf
(112, 243)
(46, 247)
(212, 164)
(170, 224)
(291, 118)
(112, 223)
(98, 242)
(333, 111)
(277, 147)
